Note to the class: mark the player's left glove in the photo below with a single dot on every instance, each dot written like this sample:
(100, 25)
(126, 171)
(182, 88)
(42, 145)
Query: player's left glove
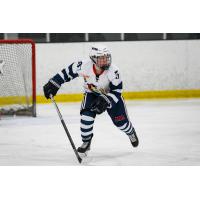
(100, 104)
(51, 88)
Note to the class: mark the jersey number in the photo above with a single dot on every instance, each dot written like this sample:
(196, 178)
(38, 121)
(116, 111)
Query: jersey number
(116, 75)
(79, 65)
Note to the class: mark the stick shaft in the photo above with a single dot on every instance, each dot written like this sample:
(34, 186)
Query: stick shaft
(66, 129)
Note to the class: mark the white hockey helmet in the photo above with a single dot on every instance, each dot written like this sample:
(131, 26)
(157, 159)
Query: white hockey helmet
(99, 51)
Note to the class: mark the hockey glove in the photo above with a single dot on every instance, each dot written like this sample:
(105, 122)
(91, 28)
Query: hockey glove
(50, 88)
(100, 104)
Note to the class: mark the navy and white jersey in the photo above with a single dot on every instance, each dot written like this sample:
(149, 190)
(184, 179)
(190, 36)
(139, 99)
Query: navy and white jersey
(109, 81)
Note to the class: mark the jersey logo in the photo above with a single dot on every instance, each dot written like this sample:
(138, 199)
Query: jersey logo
(91, 87)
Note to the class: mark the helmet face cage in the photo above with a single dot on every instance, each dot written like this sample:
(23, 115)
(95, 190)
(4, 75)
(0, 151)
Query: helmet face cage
(101, 58)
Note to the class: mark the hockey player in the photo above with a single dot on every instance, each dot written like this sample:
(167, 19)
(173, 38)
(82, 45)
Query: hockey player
(103, 88)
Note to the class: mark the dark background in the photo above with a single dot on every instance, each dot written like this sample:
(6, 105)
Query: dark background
(98, 37)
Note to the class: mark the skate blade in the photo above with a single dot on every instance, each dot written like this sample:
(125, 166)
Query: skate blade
(86, 160)
(83, 155)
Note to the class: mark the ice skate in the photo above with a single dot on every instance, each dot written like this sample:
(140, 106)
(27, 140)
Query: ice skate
(84, 148)
(134, 139)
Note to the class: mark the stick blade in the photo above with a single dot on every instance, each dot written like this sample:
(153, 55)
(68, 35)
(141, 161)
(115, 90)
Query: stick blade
(79, 159)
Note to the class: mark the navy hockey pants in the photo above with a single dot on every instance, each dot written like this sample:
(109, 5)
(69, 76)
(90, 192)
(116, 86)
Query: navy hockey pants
(117, 113)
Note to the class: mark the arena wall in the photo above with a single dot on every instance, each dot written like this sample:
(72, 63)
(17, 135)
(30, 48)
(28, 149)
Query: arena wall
(150, 69)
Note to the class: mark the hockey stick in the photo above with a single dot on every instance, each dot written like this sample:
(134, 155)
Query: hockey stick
(66, 130)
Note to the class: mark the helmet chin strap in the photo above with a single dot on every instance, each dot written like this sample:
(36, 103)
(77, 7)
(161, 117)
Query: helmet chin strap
(97, 67)
(102, 68)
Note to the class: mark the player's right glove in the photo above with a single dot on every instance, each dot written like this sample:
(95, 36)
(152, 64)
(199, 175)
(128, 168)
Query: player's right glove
(50, 88)
(100, 104)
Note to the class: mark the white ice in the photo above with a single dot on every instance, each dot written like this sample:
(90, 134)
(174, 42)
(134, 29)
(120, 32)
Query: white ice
(169, 133)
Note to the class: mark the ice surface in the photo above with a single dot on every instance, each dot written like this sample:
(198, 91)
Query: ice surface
(169, 133)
